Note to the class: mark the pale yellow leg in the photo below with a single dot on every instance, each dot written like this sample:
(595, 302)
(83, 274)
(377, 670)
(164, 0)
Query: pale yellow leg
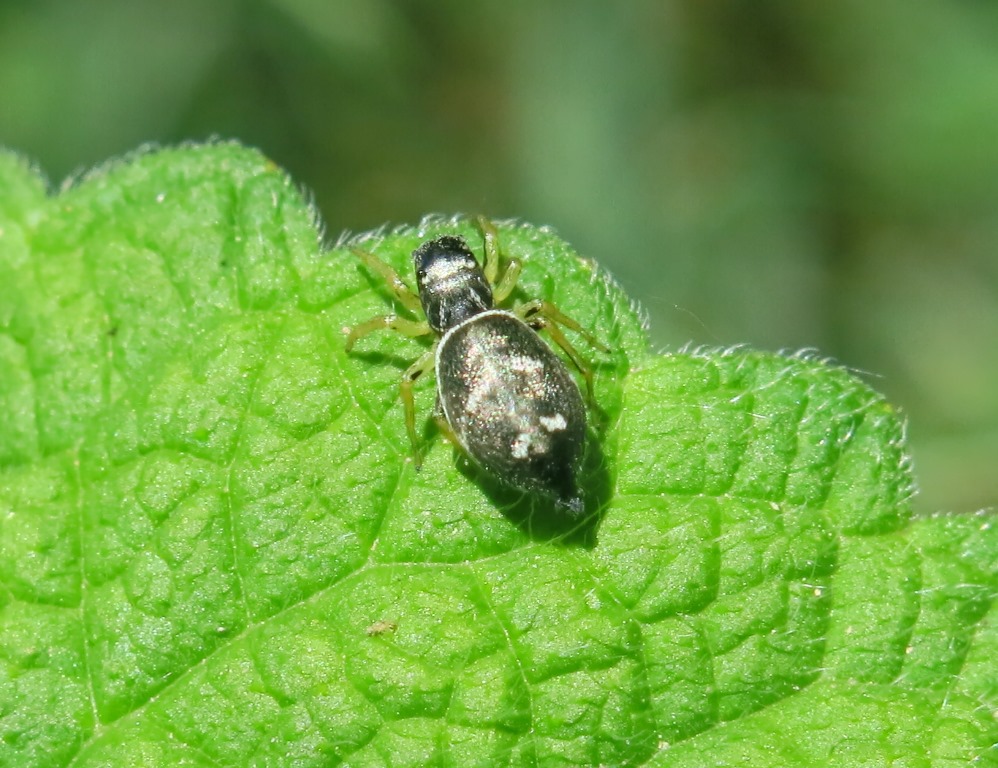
(505, 286)
(403, 292)
(559, 338)
(549, 311)
(413, 372)
(501, 288)
(445, 429)
(543, 314)
(490, 235)
(411, 328)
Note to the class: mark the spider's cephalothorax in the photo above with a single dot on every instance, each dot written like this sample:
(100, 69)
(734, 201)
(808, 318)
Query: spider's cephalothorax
(452, 286)
(503, 395)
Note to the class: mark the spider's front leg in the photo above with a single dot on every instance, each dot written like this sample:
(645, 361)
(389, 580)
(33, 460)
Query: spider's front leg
(402, 292)
(501, 287)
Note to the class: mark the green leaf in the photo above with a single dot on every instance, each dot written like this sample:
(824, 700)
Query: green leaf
(215, 549)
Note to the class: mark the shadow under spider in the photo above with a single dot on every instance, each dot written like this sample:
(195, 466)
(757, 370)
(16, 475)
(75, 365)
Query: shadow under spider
(536, 515)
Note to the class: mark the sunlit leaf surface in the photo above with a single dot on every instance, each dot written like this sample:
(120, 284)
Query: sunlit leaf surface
(216, 551)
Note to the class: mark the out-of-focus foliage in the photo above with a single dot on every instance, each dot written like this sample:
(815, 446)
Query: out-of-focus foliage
(770, 173)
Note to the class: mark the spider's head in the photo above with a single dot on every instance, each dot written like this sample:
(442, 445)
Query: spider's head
(452, 286)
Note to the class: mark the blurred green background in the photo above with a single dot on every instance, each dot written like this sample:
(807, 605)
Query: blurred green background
(783, 175)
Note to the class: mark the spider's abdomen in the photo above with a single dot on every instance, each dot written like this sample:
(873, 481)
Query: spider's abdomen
(513, 405)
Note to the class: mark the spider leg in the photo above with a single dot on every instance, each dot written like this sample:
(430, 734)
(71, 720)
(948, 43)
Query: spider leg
(402, 292)
(490, 236)
(501, 287)
(411, 328)
(543, 314)
(412, 373)
(549, 311)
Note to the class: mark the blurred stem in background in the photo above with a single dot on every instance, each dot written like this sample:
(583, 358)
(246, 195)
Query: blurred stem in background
(766, 173)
